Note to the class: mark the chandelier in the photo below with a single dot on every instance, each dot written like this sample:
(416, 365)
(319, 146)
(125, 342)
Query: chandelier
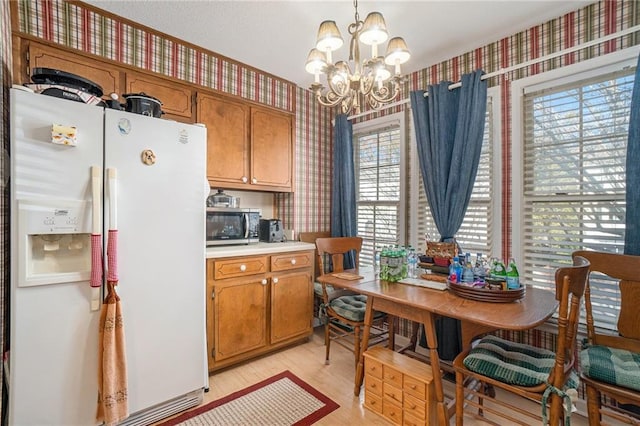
(371, 78)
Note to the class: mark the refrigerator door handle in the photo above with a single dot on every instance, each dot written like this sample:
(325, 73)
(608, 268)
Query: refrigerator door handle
(96, 240)
(112, 175)
(112, 180)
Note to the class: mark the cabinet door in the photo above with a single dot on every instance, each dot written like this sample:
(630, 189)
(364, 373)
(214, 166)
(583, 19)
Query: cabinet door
(101, 73)
(227, 141)
(291, 305)
(175, 98)
(271, 150)
(240, 316)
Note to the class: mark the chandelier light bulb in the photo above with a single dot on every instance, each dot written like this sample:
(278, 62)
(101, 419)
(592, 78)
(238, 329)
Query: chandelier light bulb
(397, 52)
(382, 74)
(315, 62)
(374, 30)
(329, 37)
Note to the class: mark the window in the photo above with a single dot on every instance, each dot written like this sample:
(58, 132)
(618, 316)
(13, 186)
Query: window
(389, 215)
(378, 150)
(476, 234)
(573, 177)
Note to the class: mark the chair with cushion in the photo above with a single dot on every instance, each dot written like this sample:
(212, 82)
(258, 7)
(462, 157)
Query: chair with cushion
(531, 372)
(311, 237)
(343, 309)
(610, 361)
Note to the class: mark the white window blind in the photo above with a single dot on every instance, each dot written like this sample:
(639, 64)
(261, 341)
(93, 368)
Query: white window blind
(378, 160)
(476, 232)
(574, 159)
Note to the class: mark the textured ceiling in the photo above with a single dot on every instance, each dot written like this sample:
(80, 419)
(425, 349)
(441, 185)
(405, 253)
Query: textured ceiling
(276, 36)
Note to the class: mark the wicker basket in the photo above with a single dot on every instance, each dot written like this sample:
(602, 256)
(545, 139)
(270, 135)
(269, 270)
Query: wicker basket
(441, 250)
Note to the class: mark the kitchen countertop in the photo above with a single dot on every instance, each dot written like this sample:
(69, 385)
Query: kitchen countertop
(260, 248)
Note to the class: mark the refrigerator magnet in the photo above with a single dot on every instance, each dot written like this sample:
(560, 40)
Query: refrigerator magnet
(63, 135)
(124, 126)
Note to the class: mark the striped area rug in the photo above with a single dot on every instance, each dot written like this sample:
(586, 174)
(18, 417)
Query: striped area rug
(281, 400)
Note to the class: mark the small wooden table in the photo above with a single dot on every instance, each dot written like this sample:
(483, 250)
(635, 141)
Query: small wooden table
(422, 305)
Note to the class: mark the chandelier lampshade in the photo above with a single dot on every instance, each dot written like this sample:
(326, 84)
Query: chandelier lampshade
(348, 83)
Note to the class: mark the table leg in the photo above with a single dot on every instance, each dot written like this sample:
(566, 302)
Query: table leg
(368, 318)
(432, 343)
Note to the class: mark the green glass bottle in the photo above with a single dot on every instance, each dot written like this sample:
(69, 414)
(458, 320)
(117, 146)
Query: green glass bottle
(513, 278)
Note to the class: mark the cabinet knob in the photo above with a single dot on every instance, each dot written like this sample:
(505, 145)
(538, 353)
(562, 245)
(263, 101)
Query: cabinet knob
(275, 280)
(264, 281)
(244, 179)
(243, 267)
(254, 180)
(293, 261)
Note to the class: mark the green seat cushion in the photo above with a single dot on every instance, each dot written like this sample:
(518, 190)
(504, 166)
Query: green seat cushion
(513, 363)
(352, 307)
(610, 365)
(317, 289)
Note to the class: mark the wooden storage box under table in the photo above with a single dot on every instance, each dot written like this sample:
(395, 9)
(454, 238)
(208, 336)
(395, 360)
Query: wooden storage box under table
(399, 388)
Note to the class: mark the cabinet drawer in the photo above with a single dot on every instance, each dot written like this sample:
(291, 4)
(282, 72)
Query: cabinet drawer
(390, 392)
(372, 367)
(373, 385)
(391, 375)
(284, 262)
(409, 420)
(373, 402)
(230, 268)
(414, 406)
(392, 411)
(415, 387)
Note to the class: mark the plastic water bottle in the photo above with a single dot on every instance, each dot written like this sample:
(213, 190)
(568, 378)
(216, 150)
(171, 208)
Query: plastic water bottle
(384, 264)
(467, 272)
(513, 278)
(376, 261)
(412, 263)
(479, 270)
(455, 271)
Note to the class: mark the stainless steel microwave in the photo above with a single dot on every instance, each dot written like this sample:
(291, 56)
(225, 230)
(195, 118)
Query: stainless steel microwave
(232, 226)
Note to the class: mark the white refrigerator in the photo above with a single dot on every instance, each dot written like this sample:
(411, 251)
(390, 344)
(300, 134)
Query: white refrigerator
(54, 313)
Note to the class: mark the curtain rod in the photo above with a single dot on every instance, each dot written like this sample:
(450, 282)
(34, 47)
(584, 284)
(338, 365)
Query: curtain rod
(516, 67)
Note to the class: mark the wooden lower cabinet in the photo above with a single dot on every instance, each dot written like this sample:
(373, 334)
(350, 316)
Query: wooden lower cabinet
(240, 316)
(291, 306)
(398, 388)
(257, 304)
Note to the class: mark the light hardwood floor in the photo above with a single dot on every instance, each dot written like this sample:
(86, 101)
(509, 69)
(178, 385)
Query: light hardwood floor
(335, 380)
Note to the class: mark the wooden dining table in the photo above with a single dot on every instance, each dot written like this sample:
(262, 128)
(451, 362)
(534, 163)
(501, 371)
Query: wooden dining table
(423, 305)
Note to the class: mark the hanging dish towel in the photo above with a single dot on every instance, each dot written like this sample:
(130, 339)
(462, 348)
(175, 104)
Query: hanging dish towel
(113, 403)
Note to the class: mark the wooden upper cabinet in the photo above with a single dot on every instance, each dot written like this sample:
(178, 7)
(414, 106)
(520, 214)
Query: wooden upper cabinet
(176, 99)
(271, 149)
(227, 140)
(42, 56)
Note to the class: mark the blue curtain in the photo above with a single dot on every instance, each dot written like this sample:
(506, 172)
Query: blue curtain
(343, 188)
(632, 221)
(449, 130)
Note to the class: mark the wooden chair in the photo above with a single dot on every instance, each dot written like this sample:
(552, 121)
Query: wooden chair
(534, 373)
(345, 309)
(610, 363)
(311, 237)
